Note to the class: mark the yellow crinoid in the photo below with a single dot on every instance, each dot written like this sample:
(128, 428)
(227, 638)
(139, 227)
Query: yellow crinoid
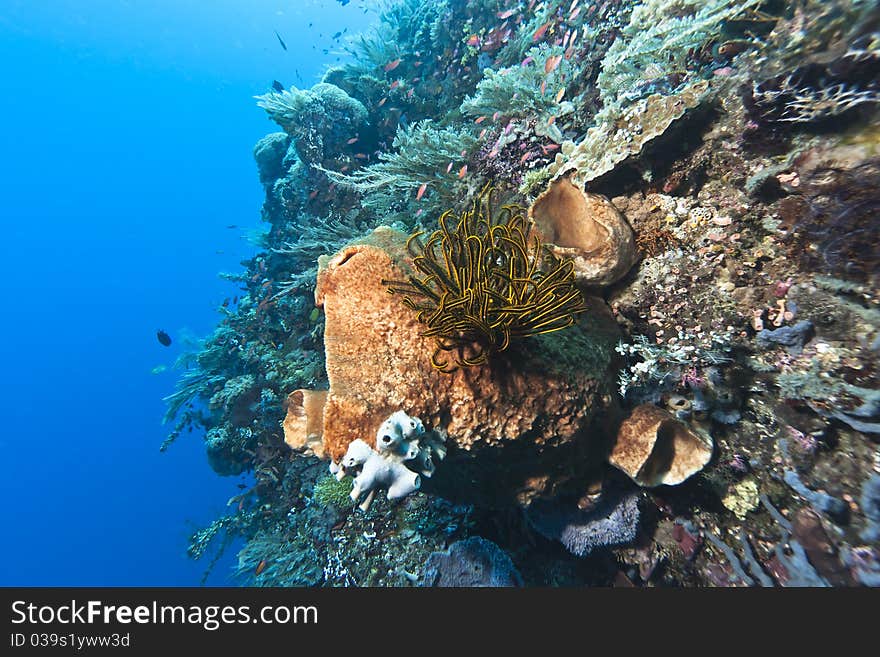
(484, 280)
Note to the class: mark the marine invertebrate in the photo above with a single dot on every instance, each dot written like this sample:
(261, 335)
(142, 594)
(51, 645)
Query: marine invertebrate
(653, 448)
(483, 285)
(419, 153)
(657, 42)
(471, 562)
(304, 421)
(613, 521)
(501, 418)
(405, 451)
(586, 228)
(319, 120)
(619, 133)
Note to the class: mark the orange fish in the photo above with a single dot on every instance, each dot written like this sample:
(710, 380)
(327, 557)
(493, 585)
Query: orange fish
(551, 120)
(551, 63)
(549, 148)
(482, 133)
(505, 14)
(480, 119)
(394, 85)
(260, 567)
(390, 66)
(574, 14)
(410, 92)
(543, 87)
(493, 152)
(541, 31)
(382, 102)
(462, 171)
(525, 157)
(351, 141)
(560, 94)
(421, 192)
(361, 156)
(473, 40)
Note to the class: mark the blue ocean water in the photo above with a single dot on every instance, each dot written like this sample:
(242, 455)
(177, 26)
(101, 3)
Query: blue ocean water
(126, 131)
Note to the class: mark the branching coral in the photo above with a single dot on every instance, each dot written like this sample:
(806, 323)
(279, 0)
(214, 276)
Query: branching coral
(482, 285)
(657, 42)
(420, 153)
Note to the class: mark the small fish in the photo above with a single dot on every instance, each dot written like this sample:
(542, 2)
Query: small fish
(277, 86)
(382, 102)
(732, 48)
(493, 152)
(541, 31)
(164, 338)
(361, 156)
(390, 66)
(260, 567)
(525, 157)
(463, 152)
(543, 87)
(482, 133)
(462, 171)
(337, 35)
(449, 168)
(551, 120)
(313, 195)
(574, 14)
(480, 119)
(528, 60)
(551, 63)
(343, 2)
(473, 40)
(394, 85)
(280, 40)
(232, 226)
(410, 92)
(352, 141)
(549, 148)
(421, 192)
(560, 94)
(505, 14)
(225, 303)
(495, 116)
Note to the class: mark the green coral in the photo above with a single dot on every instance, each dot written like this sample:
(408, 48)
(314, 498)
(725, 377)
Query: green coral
(329, 491)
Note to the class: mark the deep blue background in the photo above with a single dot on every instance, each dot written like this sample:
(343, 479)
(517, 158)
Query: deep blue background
(127, 130)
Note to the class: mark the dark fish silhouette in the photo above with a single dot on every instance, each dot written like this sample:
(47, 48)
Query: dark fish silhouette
(337, 35)
(343, 2)
(163, 338)
(280, 40)
(277, 86)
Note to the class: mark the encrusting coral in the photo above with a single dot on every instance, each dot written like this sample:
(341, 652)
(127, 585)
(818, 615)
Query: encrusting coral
(483, 285)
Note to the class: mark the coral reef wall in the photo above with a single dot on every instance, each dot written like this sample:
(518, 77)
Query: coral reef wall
(731, 149)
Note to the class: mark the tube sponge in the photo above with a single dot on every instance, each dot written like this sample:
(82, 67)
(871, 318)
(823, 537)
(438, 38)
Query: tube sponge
(405, 452)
